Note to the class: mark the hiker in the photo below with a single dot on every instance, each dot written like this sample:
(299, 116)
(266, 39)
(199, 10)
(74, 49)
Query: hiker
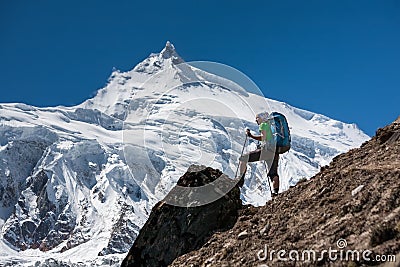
(267, 151)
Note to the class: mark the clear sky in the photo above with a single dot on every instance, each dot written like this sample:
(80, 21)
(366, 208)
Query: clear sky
(340, 58)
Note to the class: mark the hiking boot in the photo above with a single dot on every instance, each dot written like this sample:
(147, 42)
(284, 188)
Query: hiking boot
(275, 193)
(241, 179)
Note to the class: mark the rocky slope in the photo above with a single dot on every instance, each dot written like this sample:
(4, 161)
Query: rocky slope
(348, 215)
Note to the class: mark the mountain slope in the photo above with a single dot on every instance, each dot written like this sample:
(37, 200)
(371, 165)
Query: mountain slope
(351, 205)
(73, 178)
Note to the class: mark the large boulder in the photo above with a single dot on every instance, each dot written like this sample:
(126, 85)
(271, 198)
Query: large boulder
(172, 230)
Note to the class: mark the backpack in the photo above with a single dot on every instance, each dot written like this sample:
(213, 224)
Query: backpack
(281, 132)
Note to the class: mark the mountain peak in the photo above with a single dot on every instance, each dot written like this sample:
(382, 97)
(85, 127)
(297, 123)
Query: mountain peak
(168, 51)
(157, 61)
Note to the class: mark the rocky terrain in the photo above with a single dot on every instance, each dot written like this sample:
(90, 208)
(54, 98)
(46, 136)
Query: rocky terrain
(346, 215)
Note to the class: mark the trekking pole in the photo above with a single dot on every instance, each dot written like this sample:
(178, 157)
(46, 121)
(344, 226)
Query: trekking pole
(241, 154)
(269, 186)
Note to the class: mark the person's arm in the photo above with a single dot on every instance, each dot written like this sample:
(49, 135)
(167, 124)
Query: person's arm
(257, 137)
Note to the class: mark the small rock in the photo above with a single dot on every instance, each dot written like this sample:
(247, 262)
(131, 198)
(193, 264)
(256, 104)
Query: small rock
(357, 190)
(243, 235)
(265, 229)
(210, 260)
(223, 254)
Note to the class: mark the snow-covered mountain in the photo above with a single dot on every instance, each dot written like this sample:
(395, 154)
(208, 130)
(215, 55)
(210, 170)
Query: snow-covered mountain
(77, 183)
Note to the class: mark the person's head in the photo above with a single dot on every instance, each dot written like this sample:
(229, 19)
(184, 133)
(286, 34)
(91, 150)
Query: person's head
(262, 117)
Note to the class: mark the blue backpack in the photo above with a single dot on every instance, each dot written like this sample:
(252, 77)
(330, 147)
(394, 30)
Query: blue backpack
(281, 132)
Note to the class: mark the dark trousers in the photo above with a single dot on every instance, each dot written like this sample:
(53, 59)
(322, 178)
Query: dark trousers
(260, 154)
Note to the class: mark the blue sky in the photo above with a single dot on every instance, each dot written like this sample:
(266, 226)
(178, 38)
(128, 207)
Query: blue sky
(339, 58)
